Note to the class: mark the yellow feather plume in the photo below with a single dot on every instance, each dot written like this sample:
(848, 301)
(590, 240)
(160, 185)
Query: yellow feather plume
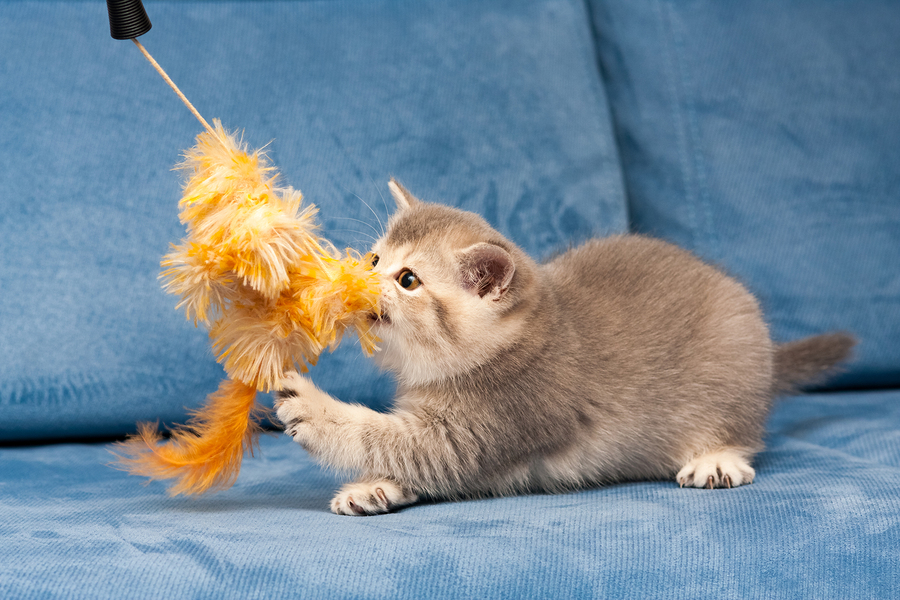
(205, 455)
(272, 293)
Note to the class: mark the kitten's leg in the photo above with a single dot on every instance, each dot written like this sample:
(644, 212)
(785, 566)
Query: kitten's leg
(371, 498)
(725, 468)
(400, 452)
(317, 421)
(323, 426)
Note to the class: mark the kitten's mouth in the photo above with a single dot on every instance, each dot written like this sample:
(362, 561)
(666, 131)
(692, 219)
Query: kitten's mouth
(381, 317)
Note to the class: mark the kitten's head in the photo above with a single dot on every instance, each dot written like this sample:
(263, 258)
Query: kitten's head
(453, 290)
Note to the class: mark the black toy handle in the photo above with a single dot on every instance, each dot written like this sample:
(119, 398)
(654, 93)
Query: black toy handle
(127, 19)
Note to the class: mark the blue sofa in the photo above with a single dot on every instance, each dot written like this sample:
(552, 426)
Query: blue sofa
(764, 135)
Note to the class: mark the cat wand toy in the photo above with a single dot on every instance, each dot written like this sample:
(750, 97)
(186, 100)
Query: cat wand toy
(252, 269)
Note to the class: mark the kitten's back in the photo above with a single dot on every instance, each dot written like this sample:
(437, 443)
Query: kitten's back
(673, 349)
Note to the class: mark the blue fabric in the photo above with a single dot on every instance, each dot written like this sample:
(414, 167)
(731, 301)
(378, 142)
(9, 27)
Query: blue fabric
(763, 135)
(495, 106)
(822, 520)
(759, 134)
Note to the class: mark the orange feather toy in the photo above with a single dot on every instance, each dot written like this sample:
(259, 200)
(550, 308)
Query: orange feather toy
(273, 294)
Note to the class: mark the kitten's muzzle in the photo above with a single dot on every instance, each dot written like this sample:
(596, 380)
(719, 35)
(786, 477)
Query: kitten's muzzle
(380, 317)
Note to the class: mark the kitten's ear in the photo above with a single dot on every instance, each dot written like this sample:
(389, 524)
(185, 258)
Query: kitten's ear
(401, 195)
(487, 270)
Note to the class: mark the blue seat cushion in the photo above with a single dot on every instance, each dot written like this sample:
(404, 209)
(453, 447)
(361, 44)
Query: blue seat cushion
(490, 105)
(764, 136)
(820, 521)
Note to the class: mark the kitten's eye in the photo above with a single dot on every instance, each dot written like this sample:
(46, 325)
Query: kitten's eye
(374, 260)
(408, 280)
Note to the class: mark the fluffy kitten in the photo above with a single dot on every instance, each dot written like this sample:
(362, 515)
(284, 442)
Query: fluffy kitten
(625, 358)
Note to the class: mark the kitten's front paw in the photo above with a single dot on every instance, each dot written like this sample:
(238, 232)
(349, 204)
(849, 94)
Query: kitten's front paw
(370, 498)
(722, 469)
(299, 404)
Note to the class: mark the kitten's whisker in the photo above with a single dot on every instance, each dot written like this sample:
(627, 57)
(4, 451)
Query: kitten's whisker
(362, 233)
(387, 211)
(368, 330)
(369, 225)
(377, 218)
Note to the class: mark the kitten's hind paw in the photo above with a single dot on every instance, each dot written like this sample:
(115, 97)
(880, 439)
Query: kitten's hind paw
(722, 469)
(370, 498)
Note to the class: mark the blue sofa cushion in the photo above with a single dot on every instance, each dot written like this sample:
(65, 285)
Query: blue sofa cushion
(491, 105)
(763, 135)
(822, 520)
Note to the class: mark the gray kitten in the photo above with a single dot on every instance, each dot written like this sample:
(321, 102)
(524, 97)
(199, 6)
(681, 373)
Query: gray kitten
(623, 359)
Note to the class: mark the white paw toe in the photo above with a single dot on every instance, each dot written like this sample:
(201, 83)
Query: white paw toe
(723, 469)
(370, 498)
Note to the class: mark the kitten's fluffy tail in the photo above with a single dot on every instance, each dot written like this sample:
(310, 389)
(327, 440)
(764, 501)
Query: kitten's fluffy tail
(809, 361)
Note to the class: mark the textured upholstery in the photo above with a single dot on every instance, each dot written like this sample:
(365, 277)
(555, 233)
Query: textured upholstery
(762, 135)
(822, 520)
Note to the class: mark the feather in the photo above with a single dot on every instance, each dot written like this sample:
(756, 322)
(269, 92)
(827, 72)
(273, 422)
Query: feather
(272, 293)
(204, 455)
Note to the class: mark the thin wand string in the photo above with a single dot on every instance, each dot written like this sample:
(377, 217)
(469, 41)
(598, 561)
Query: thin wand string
(171, 83)
(200, 118)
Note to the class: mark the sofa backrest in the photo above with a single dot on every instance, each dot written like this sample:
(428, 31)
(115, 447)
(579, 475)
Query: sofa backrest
(761, 135)
(491, 105)
(764, 135)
